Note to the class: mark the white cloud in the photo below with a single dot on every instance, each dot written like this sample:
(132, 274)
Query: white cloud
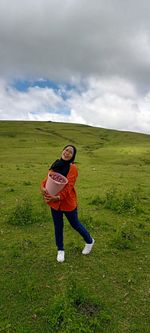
(109, 104)
(23, 105)
(101, 45)
(105, 107)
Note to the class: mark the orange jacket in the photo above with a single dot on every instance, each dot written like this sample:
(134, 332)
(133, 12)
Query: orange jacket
(68, 196)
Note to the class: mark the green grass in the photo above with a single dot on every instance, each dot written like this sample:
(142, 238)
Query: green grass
(107, 291)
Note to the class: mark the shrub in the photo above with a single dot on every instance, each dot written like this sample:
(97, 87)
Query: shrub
(10, 189)
(117, 201)
(122, 202)
(87, 221)
(124, 237)
(75, 312)
(97, 201)
(22, 214)
(27, 183)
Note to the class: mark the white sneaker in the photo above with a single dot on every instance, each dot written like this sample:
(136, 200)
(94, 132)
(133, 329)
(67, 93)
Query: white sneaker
(88, 247)
(60, 256)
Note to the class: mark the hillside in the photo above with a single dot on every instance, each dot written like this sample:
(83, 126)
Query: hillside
(107, 291)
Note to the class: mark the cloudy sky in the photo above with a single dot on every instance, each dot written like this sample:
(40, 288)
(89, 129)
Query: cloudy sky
(80, 61)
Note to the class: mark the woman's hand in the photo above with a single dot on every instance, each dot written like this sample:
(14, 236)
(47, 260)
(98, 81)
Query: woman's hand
(51, 198)
(48, 197)
(43, 190)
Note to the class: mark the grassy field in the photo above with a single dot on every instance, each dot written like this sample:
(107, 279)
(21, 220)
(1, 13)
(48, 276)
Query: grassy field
(107, 291)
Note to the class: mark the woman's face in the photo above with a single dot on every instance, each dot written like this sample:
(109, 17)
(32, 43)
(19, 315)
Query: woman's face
(67, 153)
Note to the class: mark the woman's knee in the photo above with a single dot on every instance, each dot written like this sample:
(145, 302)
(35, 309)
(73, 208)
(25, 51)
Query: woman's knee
(74, 222)
(57, 217)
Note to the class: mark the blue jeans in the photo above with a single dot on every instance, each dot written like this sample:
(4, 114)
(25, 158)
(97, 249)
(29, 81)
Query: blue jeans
(72, 217)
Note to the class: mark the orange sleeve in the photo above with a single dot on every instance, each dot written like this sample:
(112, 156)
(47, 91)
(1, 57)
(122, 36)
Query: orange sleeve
(43, 183)
(72, 176)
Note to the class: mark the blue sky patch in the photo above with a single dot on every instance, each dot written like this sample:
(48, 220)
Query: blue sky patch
(24, 85)
(60, 88)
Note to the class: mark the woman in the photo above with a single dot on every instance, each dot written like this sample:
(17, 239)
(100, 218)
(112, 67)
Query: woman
(65, 202)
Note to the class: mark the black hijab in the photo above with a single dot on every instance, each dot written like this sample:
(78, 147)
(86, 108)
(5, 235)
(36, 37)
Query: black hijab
(63, 166)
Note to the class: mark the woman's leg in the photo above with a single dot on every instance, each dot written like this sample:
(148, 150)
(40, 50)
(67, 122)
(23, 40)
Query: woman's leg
(58, 225)
(76, 224)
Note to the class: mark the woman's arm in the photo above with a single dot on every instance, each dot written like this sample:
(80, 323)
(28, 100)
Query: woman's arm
(72, 176)
(42, 185)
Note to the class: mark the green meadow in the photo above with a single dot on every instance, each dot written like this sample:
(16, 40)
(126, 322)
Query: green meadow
(105, 291)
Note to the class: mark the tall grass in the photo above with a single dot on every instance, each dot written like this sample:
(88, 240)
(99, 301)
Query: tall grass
(120, 202)
(23, 213)
(75, 312)
(106, 291)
